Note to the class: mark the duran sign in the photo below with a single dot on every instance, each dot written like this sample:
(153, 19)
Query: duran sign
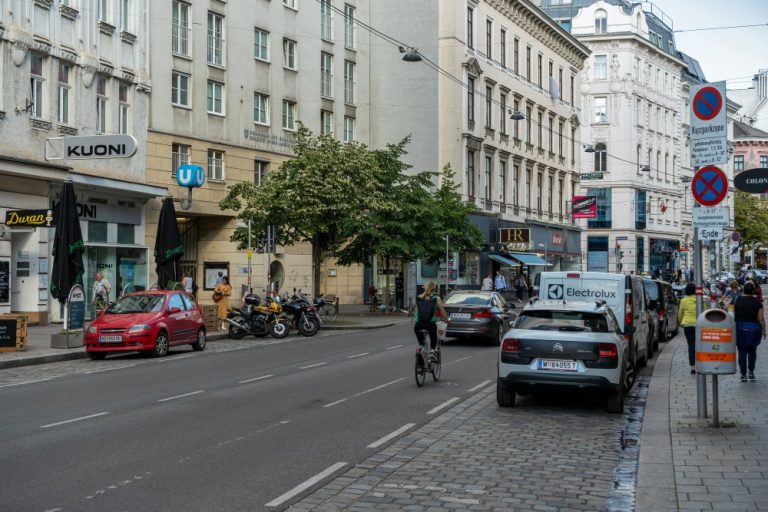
(584, 207)
(29, 218)
(753, 181)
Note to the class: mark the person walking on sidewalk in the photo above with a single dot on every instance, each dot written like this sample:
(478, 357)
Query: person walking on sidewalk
(488, 282)
(750, 330)
(686, 317)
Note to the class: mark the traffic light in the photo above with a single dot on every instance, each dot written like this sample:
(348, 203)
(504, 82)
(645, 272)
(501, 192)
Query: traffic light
(260, 245)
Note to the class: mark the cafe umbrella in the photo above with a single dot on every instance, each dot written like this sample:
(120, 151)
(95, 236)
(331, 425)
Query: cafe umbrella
(168, 247)
(68, 246)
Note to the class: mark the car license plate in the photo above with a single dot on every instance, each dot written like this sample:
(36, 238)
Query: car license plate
(110, 339)
(461, 316)
(549, 364)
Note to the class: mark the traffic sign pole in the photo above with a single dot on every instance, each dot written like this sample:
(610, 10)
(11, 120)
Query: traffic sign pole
(698, 269)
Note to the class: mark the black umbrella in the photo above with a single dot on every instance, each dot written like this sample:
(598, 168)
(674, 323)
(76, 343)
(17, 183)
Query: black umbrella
(168, 248)
(68, 246)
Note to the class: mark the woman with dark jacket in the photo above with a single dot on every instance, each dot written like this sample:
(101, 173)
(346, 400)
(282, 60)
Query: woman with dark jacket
(750, 329)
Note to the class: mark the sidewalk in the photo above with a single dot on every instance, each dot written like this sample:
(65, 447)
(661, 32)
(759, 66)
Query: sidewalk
(39, 351)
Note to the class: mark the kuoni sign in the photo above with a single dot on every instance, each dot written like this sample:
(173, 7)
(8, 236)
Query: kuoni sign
(99, 146)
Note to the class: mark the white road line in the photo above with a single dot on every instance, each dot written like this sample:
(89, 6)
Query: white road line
(110, 369)
(312, 366)
(358, 355)
(254, 380)
(482, 384)
(25, 382)
(305, 485)
(394, 434)
(444, 405)
(378, 387)
(392, 348)
(181, 396)
(174, 358)
(457, 360)
(74, 420)
(337, 402)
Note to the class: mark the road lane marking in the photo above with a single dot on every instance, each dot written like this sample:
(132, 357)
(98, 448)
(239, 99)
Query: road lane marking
(457, 360)
(81, 418)
(110, 369)
(174, 358)
(254, 380)
(358, 355)
(482, 384)
(312, 366)
(378, 387)
(394, 434)
(305, 485)
(392, 348)
(337, 402)
(181, 396)
(25, 382)
(444, 405)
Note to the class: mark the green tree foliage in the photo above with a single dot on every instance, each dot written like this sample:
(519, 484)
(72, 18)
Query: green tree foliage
(750, 218)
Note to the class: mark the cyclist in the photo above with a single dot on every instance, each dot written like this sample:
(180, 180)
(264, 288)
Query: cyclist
(428, 304)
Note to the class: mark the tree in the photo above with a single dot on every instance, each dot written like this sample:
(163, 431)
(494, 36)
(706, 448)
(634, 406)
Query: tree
(750, 218)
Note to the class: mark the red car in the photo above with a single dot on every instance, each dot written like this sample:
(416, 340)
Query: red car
(150, 322)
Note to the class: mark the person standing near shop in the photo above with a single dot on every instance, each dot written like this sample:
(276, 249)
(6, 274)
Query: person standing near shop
(488, 282)
(221, 297)
(100, 295)
(501, 282)
(750, 330)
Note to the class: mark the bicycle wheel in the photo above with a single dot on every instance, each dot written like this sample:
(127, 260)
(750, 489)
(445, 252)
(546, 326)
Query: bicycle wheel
(436, 365)
(328, 313)
(99, 304)
(420, 370)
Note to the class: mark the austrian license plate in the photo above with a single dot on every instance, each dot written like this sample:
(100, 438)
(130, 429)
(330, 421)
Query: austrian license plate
(460, 316)
(110, 339)
(550, 364)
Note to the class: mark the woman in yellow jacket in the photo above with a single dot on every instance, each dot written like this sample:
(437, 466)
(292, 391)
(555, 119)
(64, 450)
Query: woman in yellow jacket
(686, 317)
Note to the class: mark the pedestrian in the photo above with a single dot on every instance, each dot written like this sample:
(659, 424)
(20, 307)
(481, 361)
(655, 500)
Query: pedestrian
(521, 287)
(731, 294)
(221, 297)
(488, 282)
(679, 276)
(750, 330)
(686, 317)
(400, 290)
(187, 282)
(500, 282)
(100, 292)
(758, 289)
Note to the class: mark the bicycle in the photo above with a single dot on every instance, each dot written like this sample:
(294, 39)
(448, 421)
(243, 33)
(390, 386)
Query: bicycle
(327, 312)
(100, 303)
(426, 363)
(374, 306)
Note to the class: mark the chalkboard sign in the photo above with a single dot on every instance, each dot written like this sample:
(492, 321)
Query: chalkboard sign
(75, 308)
(5, 282)
(8, 333)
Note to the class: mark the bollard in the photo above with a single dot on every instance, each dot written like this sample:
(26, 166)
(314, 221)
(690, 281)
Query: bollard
(715, 351)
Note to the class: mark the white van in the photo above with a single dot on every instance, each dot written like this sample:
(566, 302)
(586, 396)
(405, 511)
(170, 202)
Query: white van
(624, 294)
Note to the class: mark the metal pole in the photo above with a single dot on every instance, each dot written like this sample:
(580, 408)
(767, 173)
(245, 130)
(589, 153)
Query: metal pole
(447, 238)
(715, 405)
(250, 254)
(701, 381)
(269, 259)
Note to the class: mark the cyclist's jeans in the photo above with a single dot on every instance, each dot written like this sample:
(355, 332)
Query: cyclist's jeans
(432, 328)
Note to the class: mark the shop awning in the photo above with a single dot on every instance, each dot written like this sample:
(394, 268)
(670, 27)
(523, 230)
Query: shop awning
(503, 260)
(529, 259)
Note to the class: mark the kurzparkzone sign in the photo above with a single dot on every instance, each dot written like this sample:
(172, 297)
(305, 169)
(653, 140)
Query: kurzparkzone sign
(709, 144)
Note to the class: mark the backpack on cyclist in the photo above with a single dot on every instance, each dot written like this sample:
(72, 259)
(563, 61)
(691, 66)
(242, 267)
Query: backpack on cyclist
(426, 309)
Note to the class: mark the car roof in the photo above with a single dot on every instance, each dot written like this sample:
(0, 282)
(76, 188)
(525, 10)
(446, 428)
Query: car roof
(472, 292)
(542, 305)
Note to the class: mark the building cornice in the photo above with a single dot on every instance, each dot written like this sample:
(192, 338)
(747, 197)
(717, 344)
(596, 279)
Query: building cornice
(632, 37)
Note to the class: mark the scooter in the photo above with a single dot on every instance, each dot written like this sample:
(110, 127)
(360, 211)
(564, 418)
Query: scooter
(257, 320)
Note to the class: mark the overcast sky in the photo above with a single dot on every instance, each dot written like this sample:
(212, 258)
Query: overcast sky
(734, 54)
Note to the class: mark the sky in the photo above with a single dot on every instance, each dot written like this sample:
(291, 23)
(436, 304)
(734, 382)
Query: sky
(734, 55)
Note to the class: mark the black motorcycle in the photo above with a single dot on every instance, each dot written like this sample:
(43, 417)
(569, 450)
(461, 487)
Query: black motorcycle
(301, 315)
(257, 320)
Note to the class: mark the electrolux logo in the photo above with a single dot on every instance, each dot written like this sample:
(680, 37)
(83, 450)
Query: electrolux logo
(555, 291)
(590, 294)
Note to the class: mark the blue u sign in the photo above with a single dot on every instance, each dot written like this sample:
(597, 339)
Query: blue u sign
(190, 176)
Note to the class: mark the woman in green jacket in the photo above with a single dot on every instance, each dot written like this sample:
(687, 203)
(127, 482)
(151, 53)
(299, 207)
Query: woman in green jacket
(686, 317)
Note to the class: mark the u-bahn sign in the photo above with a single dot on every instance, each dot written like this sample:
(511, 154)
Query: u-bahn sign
(99, 146)
(754, 181)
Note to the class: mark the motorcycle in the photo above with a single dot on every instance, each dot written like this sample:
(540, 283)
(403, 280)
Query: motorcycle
(301, 315)
(257, 320)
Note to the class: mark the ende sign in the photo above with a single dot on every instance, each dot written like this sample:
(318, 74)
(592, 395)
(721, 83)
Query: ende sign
(99, 146)
(753, 181)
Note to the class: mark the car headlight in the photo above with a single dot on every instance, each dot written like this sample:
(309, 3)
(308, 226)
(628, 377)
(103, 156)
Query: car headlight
(139, 328)
(93, 330)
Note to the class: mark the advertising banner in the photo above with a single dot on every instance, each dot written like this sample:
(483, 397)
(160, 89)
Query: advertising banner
(584, 207)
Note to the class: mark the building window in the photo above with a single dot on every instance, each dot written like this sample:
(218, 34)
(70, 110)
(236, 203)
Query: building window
(326, 75)
(516, 126)
(561, 183)
(123, 108)
(560, 139)
(488, 107)
(503, 48)
(326, 26)
(573, 100)
(260, 108)
(215, 39)
(528, 63)
(601, 155)
(470, 175)
(516, 56)
(515, 183)
(63, 96)
(470, 100)
(541, 69)
(215, 95)
(489, 39)
(573, 144)
(290, 3)
(179, 89)
(125, 15)
(641, 209)
(126, 234)
(289, 54)
(503, 181)
(470, 27)
(551, 135)
(261, 44)
(539, 189)
(289, 115)
(528, 188)
(603, 219)
(738, 162)
(601, 22)
(180, 28)
(180, 155)
(638, 156)
(37, 85)
(541, 130)
(97, 231)
(550, 193)
(349, 26)
(503, 113)
(103, 10)
(528, 125)
(101, 104)
(488, 173)
(666, 166)
(260, 170)
(601, 67)
(349, 82)
(763, 163)
(326, 122)
(601, 110)
(215, 165)
(349, 129)
(674, 167)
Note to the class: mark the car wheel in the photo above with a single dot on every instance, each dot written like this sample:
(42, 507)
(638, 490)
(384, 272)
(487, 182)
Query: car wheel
(201, 341)
(615, 402)
(505, 397)
(499, 336)
(642, 362)
(161, 345)
(97, 356)
(630, 371)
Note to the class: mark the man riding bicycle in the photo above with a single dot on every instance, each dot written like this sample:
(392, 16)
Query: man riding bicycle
(427, 306)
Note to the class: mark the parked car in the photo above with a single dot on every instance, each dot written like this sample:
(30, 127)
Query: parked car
(662, 305)
(671, 306)
(565, 345)
(150, 322)
(477, 314)
(679, 291)
(625, 295)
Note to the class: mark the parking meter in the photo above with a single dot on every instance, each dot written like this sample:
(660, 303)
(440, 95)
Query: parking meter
(716, 343)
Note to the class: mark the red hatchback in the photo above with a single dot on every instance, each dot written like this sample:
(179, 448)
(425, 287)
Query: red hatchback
(150, 322)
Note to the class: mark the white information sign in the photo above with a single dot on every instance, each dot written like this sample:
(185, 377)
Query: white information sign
(714, 217)
(706, 234)
(99, 146)
(709, 144)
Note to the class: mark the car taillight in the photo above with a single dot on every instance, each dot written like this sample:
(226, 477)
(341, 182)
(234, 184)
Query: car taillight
(573, 275)
(607, 350)
(628, 311)
(486, 313)
(661, 314)
(510, 345)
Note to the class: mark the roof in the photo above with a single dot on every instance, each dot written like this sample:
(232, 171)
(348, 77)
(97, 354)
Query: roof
(745, 131)
(692, 69)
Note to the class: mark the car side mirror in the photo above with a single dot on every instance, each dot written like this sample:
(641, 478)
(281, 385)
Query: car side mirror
(174, 310)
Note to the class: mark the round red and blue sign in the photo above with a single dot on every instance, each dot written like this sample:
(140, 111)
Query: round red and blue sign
(707, 103)
(709, 186)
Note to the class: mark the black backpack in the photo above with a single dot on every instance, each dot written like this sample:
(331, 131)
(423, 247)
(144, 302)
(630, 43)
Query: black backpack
(426, 309)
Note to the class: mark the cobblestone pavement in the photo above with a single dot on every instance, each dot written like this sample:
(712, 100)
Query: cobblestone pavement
(548, 453)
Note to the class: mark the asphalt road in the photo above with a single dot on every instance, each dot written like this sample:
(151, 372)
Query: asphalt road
(222, 429)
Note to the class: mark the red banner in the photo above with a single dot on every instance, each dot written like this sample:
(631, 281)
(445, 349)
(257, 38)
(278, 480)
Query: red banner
(584, 207)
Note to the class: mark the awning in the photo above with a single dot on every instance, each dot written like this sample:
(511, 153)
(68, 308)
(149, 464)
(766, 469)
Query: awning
(517, 258)
(503, 260)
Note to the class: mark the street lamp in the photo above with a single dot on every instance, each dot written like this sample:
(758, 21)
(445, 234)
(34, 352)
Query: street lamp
(411, 54)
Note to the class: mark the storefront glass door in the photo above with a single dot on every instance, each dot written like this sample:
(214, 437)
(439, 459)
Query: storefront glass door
(124, 267)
